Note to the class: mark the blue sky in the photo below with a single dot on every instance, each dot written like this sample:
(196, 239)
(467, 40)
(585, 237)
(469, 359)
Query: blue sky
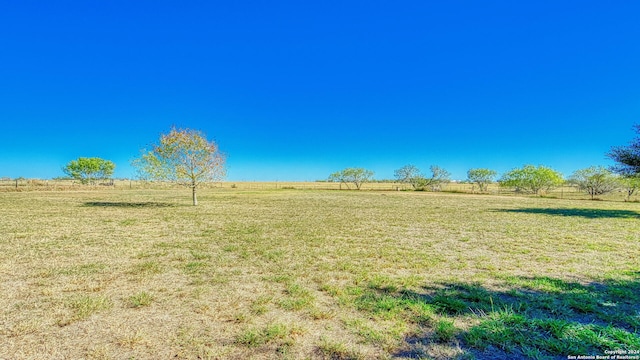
(294, 90)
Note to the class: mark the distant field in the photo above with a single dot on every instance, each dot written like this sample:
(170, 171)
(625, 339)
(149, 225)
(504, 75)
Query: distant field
(280, 273)
(563, 192)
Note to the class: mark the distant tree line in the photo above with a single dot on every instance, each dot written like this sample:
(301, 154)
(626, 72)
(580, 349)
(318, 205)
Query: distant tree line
(185, 156)
(594, 180)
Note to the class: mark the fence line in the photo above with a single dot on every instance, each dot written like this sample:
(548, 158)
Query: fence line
(12, 185)
(124, 184)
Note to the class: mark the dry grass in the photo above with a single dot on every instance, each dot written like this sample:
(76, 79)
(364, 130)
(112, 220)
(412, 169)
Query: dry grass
(562, 192)
(141, 274)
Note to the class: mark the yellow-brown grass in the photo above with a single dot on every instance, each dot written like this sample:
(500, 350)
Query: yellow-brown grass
(141, 274)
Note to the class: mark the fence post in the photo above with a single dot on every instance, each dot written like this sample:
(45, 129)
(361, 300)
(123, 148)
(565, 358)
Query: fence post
(16, 183)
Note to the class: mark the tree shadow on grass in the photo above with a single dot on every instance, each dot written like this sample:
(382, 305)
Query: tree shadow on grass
(526, 318)
(148, 204)
(586, 213)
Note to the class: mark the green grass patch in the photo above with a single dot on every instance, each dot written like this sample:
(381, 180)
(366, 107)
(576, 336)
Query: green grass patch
(200, 255)
(522, 320)
(150, 267)
(195, 267)
(254, 337)
(84, 269)
(335, 350)
(260, 305)
(82, 307)
(140, 299)
(296, 298)
(445, 330)
(514, 333)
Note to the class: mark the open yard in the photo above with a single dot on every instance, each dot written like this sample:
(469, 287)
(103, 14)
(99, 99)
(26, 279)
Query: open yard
(142, 274)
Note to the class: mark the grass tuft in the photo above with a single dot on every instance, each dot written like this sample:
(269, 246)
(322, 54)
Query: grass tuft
(140, 299)
(337, 351)
(444, 330)
(254, 337)
(83, 307)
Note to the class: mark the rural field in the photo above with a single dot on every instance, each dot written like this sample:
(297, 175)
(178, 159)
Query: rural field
(317, 274)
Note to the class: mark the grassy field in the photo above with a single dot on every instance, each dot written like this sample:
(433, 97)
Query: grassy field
(562, 192)
(141, 274)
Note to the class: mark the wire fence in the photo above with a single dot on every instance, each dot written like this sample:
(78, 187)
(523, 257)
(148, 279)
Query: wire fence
(124, 184)
(7, 185)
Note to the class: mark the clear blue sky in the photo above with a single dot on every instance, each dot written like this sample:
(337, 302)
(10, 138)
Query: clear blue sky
(294, 90)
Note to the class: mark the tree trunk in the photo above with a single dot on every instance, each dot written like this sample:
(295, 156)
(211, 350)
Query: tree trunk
(195, 198)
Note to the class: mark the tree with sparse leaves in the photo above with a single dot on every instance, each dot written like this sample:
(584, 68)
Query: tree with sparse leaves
(409, 174)
(595, 180)
(357, 176)
(439, 177)
(88, 170)
(630, 184)
(481, 177)
(183, 156)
